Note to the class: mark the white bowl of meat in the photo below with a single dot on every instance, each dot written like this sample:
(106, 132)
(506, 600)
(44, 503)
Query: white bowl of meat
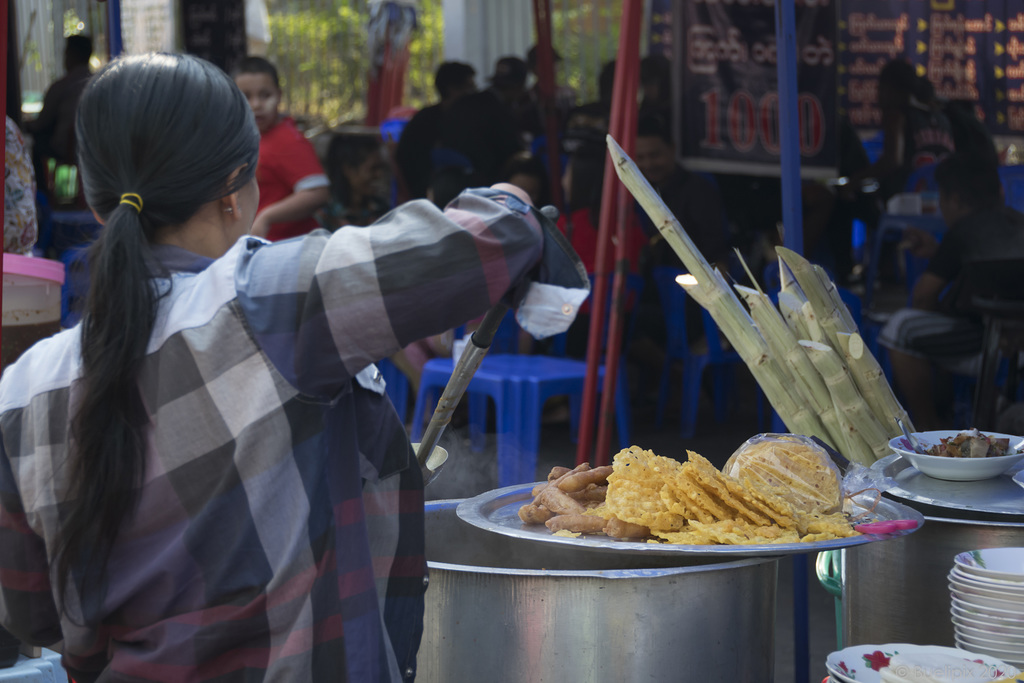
(967, 455)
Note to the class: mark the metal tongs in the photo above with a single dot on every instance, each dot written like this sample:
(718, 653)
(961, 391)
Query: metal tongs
(465, 368)
(470, 360)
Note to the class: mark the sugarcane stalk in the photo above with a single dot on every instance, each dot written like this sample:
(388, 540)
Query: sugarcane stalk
(857, 449)
(783, 344)
(828, 316)
(791, 308)
(711, 291)
(835, 320)
(814, 329)
(848, 323)
(847, 398)
(876, 390)
(775, 381)
(806, 276)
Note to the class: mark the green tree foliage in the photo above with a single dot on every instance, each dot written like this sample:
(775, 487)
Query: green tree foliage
(320, 48)
(321, 51)
(586, 35)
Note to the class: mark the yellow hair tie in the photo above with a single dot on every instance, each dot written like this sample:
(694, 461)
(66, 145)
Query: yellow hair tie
(133, 200)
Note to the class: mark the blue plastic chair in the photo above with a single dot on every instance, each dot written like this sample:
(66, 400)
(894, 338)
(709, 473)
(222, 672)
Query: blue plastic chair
(519, 385)
(1013, 186)
(721, 362)
(73, 229)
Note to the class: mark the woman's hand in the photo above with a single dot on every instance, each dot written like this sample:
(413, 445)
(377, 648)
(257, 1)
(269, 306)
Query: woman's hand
(512, 189)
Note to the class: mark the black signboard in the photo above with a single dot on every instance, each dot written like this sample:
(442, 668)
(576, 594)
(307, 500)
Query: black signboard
(730, 103)
(971, 50)
(215, 30)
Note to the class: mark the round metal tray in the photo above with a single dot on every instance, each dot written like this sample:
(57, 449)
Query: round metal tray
(498, 511)
(994, 498)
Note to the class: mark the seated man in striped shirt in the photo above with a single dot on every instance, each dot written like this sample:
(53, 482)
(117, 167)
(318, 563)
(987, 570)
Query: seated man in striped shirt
(941, 328)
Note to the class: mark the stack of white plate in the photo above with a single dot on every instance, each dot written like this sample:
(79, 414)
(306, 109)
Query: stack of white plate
(987, 602)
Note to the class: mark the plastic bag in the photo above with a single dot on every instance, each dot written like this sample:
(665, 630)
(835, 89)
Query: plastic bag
(800, 470)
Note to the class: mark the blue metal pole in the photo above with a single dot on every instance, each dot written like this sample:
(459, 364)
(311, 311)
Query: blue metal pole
(792, 221)
(114, 42)
(789, 124)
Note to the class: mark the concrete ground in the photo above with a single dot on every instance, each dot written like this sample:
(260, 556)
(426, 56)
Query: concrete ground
(468, 473)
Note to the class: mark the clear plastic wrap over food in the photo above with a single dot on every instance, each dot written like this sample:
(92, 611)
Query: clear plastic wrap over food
(796, 467)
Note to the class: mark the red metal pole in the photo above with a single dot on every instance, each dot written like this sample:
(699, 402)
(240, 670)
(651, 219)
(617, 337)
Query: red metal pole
(624, 95)
(626, 222)
(546, 89)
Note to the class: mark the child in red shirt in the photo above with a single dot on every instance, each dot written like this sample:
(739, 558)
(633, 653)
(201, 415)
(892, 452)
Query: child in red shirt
(292, 183)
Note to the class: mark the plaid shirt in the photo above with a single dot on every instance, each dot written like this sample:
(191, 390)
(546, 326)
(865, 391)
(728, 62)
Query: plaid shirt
(279, 532)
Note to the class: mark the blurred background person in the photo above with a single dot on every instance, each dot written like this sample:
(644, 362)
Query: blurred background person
(915, 130)
(292, 183)
(356, 169)
(479, 129)
(423, 132)
(942, 329)
(527, 172)
(53, 131)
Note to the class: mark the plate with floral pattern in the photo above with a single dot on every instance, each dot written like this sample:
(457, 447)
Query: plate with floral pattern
(861, 663)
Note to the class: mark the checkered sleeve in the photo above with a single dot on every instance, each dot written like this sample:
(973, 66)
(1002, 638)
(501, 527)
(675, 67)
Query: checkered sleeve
(361, 294)
(26, 601)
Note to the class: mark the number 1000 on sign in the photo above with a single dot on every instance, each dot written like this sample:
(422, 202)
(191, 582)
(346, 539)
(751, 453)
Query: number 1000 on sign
(749, 122)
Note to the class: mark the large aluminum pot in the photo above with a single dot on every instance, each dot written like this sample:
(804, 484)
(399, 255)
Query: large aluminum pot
(501, 609)
(897, 591)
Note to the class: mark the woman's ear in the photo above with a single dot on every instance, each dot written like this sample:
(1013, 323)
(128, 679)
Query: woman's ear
(229, 206)
(229, 203)
(97, 217)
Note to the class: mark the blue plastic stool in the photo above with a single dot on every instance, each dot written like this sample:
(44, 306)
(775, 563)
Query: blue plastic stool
(519, 385)
(483, 385)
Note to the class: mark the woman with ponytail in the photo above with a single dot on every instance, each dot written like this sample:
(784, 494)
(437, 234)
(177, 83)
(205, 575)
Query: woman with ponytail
(203, 480)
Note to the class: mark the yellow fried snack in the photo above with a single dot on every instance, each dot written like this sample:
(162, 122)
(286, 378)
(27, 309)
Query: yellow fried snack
(718, 485)
(634, 490)
(693, 503)
(794, 464)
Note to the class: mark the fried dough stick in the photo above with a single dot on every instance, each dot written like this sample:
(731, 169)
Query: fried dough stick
(616, 528)
(585, 524)
(578, 481)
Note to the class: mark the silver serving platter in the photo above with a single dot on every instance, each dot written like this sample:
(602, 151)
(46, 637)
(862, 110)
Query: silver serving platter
(498, 511)
(996, 496)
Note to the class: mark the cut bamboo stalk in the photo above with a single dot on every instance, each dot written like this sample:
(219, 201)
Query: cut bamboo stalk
(710, 290)
(783, 344)
(879, 396)
(847, 398)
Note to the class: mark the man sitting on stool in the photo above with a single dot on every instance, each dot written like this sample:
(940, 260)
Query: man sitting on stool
(942, 327)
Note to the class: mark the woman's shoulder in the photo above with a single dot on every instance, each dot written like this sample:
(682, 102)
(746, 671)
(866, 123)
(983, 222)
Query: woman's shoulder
(49, 365)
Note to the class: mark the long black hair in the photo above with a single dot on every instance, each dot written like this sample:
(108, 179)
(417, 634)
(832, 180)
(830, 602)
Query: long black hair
(171, 129)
